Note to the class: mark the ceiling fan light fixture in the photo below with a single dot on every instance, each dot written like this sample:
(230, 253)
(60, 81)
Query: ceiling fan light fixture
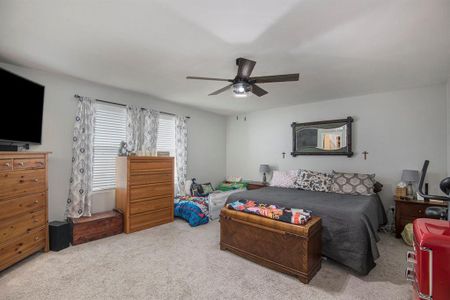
(242, 89)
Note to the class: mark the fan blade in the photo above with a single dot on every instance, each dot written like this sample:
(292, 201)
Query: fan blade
(258, 91)
(275, 78)
(221, 90)
(245, 67)
(208, 78)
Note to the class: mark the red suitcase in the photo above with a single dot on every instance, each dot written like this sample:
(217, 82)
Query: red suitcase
(430, 269)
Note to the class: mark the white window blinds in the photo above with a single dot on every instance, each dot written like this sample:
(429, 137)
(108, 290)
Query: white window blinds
(166, 134)
(110, 130)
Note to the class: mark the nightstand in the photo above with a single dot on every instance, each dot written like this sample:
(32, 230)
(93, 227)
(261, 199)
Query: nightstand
(406, 211)
(254, 185)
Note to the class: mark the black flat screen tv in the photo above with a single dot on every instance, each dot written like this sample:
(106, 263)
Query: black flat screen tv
(22, 105)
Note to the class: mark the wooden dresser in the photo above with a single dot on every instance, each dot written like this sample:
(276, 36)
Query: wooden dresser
(406, 211)
(23, 205)
(145, 191)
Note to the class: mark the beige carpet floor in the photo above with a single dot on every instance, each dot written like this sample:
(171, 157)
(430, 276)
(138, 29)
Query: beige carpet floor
(175, 261)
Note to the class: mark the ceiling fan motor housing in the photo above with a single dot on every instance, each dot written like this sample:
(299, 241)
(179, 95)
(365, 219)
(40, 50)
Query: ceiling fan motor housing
(242, 89)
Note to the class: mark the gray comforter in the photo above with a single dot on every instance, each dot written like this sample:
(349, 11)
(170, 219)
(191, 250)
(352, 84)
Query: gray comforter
(349, 222)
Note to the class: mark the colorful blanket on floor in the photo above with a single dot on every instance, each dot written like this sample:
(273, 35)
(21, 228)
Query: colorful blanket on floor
(192, 209)
(284, 214)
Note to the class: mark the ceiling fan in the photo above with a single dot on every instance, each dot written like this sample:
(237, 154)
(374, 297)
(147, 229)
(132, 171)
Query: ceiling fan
(243, 84)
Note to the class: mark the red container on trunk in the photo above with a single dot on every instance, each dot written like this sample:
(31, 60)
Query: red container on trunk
(430, 273)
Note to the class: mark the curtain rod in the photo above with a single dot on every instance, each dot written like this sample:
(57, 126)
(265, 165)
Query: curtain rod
(120, 104)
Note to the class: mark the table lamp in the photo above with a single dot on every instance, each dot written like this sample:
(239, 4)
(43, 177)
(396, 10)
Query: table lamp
(264, 169)
(410, 177)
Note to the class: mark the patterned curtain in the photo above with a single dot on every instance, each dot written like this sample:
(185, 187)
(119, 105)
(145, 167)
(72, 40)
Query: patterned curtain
(142, 129)
(151, 124)
(79, 200)
(134, 128)
(180, 153)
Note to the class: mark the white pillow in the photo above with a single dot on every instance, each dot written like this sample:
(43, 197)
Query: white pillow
(284, 179)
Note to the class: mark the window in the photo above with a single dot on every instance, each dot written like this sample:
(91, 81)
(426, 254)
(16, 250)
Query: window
(110, 130)
(166, 134)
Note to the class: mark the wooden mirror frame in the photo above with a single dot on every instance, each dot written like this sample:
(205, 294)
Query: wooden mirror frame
(348, 152)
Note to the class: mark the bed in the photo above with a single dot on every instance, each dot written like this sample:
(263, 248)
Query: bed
(349, 222)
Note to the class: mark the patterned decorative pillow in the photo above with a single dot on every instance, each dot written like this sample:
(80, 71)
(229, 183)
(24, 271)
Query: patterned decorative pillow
(284, 179)
(314, 181)
(353, 183)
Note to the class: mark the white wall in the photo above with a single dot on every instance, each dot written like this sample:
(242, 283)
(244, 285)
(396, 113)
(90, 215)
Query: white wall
(399, 130)
(448, 127)
(206, 133)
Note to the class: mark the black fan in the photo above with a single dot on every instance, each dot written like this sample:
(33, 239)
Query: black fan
(243, 84)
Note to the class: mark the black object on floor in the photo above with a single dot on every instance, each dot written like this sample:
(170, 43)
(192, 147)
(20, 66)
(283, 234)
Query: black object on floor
(60, 235)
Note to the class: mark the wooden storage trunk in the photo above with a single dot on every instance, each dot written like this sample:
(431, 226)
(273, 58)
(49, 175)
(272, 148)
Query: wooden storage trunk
(98, 226)
(289, 248)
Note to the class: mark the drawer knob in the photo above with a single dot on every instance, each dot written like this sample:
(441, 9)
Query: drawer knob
(35, 221)
(21, 164)
(420, 211)
(7, 164)
(36, 180)
(36, 238)
(36, 201)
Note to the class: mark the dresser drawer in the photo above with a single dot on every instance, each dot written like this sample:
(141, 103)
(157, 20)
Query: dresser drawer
(6, 165)
(15, 227)
(21, 183)
(412, 210)
(20, 248)
(150, 204)
(151, 190)
(17, 206)
(146, 165)
(151, 178)
(29, 163)
(150, 219)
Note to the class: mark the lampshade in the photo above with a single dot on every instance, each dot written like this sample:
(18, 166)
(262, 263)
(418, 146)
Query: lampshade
(410, 176)
(264, 168)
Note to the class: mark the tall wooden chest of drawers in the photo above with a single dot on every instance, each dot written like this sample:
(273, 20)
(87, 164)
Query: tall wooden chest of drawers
(23, 205)
(145, 191)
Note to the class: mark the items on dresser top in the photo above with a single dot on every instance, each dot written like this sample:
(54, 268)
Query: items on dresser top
(406, 211)
(23, 205)
(95, 227)
(145, 191)
(410, 177)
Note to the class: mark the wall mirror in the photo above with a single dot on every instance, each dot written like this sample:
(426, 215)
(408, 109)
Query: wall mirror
(332, 137)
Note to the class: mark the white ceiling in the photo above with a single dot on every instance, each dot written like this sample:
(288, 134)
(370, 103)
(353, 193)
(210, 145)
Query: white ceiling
(340, 48)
